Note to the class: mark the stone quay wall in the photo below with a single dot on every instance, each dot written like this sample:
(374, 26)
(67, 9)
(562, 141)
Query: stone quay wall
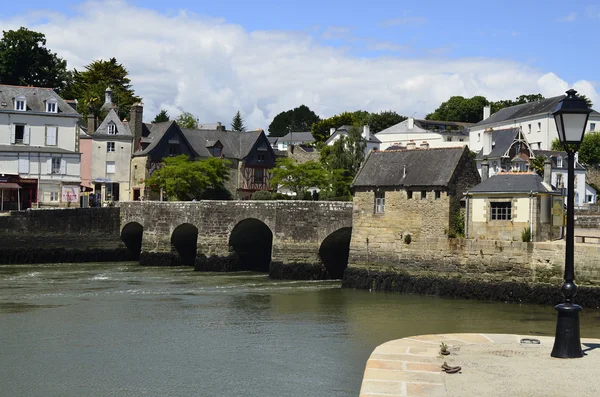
(298, 227)
(61, 235)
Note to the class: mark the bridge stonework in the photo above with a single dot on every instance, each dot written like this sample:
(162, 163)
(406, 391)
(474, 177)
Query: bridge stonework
(298, 227)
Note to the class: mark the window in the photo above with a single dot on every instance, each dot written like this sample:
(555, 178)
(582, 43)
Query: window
(261, 158)
(409, 194)
(539, 127)
(51, 106)
(259, 174)
(478, 137)
(559, 162)
(56, 165)
(23, 164)
(110, 147)
(19, 133)
(173, 149)
(108, 192)
(112, 128)
(20, 104)
(559, 181)
(216, 151)
(110, 167)
(592, 126)
(423, 195)
(589, 198)
(438, 194)
(501, 211)
(495, 166)
(529, 128)
(53, 196)
(379, 202)
(51, 133)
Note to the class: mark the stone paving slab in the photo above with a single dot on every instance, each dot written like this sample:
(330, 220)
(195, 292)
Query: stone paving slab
(492, 365)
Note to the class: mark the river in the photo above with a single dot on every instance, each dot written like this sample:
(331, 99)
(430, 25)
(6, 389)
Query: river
(124, 330)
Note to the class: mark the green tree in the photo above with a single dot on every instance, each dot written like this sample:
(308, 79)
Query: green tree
(346, 153)
(589, 151)
(25, 60)
(537, 164)
(556, 145)
(321, 130)
(381, 121)
(299, 119)
(521, 99)
(161, 117)
(237, 124)
(89, 87)
(299, 177)
(461, 109)
(184, 180)
(187, 120)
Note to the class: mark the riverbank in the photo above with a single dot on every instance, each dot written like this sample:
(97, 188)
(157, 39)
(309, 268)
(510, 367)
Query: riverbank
(491, 365)
(463, 286)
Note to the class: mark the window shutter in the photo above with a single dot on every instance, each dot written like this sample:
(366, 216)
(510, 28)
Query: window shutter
(49, 166)
(51, 136)
(26, 133)
(12, 134)
(23, 164)
(63, 166)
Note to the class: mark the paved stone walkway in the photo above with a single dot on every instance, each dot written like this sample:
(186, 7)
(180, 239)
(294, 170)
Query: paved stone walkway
(492, 364)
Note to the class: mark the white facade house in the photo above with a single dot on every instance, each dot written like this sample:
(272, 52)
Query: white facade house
(534, 118)
(435, 134)
(372, 143)
(293, 138)
(39, 149)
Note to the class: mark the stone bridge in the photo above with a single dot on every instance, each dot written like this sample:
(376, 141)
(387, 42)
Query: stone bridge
(307, 238)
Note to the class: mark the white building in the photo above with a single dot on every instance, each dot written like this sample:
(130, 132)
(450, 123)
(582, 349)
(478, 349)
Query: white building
(435, 134)
(39, 149)
(292, 138)
(534, 118)
(372, 143)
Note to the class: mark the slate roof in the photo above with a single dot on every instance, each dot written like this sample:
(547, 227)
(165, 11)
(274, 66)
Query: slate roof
(35, 98)
(155, 133)
(123, 129)
(424, 167)
(553, 155)
(501, 141)
(544, 106)
(428, 126)
(300, 137)
(236, 145)
(512, 182)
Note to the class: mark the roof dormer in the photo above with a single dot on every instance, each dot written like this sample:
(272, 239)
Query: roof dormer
(112, 128)
(215, 148)
(20, 103)
(51, 105)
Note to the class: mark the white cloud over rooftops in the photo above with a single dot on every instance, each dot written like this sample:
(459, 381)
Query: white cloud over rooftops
(187, 62)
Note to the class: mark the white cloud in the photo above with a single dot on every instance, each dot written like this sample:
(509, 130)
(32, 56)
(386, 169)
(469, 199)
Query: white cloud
(183, 61)
(571, 17)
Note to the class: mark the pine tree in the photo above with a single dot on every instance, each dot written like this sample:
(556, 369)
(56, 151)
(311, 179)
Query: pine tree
(161, 117)
(237, 124)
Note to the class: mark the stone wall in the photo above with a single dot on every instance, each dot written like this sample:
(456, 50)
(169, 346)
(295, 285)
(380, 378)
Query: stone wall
(61, 235)
(298, 227)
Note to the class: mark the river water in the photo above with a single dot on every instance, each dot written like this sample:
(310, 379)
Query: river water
(124, 330)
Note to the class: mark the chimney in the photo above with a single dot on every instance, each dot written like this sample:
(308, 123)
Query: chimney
(366, 132)
(411, 123)
(487, 141)
(108, 96)
(547, 171)
(220, 127)
(91, 124)
(487, 111)
(424, 145)
(485, 169)
(135, 124)
(411, 145)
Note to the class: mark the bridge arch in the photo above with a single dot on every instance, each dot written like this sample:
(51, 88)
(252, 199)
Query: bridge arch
(252, 240)
(184, 240)
(132, 234)
(334, 252)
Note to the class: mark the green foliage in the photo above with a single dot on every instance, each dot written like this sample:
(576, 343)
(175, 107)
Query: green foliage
(537, 163)
(262, 195)
(187, 120)
(458, 108)
(556, 145)
(376, 122)
(237, 124)
(299, 119)
(280, 196)
(526, 235)
(381, 121)
(346, 153)
(184, 180)
(505, 103)
(298, 177)
(321, 129)
(407, 238)
(161, 117)
(458, 225)
(25, 60)
(589, 151)
(89, 87)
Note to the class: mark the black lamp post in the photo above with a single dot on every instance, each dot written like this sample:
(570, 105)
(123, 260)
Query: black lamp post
(571, 117)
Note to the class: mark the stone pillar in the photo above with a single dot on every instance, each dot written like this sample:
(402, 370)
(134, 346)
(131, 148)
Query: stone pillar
(135, 125)
(485, 170)
(91, 124)
(548, 171)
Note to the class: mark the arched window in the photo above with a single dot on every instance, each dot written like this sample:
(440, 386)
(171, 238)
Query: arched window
(112, 128)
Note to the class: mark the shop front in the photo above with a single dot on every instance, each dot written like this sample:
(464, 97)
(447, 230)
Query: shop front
(17, 193)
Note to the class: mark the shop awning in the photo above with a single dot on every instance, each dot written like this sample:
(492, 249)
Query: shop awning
(9, 185)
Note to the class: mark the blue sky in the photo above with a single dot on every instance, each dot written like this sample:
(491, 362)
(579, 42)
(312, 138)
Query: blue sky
(266, 56)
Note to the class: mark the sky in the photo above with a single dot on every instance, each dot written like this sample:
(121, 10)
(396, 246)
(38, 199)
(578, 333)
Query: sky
(263, 57)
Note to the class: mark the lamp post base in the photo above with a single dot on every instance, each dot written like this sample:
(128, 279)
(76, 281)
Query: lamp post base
(567, 343)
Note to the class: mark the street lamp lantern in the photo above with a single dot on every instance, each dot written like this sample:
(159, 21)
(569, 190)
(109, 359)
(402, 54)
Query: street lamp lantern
(571, 117)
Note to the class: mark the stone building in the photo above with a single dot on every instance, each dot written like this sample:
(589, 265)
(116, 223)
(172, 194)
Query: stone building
(403, 193)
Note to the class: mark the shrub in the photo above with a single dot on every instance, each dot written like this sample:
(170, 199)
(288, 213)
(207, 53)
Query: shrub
(280, 196)
(407, 239)
(526, 235)
(262, 195)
